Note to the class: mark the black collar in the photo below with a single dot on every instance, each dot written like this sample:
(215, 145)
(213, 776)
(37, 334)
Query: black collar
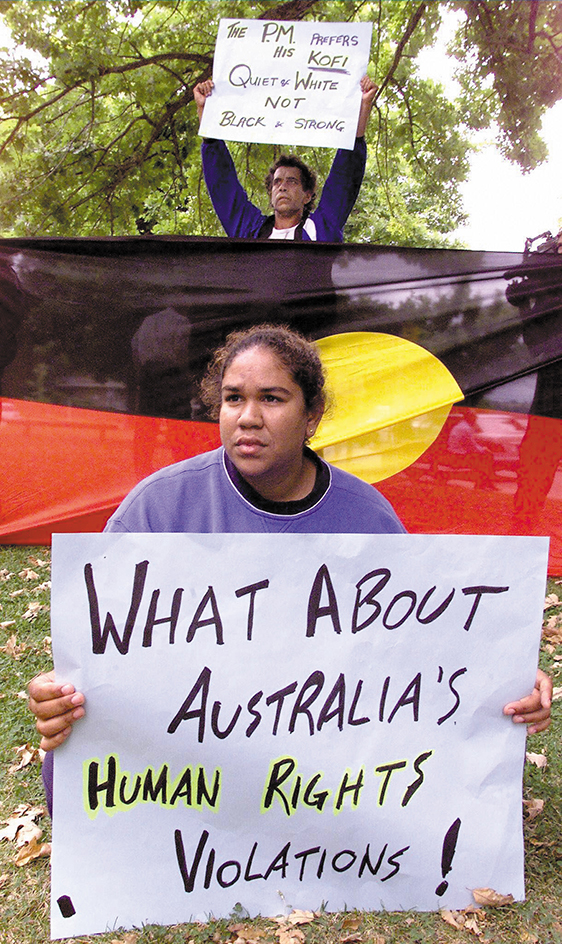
(321, 485)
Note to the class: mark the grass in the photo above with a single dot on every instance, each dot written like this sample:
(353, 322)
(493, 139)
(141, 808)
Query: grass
(24, 890)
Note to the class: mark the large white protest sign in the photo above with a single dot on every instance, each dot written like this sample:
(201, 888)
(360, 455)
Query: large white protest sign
(287, 82)
(289, 719)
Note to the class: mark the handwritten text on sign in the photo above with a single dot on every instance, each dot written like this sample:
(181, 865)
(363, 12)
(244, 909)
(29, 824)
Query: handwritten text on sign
(289, 718)
(287, 82)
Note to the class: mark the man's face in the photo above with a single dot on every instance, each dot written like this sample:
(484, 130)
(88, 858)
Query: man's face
(288, 197)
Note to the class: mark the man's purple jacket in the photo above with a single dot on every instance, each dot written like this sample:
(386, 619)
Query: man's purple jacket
(241, 218)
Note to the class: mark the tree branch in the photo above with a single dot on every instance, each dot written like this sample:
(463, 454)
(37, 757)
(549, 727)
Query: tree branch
(413, 22)
(288, 10)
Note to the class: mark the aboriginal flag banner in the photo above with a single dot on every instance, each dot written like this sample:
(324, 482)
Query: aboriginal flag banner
(103, 344)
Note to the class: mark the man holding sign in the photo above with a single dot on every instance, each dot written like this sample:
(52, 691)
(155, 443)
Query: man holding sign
(290, 184)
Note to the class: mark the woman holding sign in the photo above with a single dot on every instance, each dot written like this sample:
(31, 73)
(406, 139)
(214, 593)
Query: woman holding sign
(266, 385)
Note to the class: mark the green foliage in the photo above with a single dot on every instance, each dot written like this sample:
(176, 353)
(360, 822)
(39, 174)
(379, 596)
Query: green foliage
(99, 133)
(511, 54)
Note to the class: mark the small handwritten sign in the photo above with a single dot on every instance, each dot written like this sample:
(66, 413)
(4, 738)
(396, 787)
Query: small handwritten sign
(289, 719)
(287, 82)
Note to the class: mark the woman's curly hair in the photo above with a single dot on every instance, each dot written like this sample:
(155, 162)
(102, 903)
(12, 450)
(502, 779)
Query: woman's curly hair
(295, 352)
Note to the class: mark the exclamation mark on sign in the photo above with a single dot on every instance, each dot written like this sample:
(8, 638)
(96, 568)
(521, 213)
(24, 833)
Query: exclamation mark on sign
(449, 846)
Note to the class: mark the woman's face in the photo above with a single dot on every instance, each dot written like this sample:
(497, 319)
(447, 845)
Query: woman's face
(264, 420)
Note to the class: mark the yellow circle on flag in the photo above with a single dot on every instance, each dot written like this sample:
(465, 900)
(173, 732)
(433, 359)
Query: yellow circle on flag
(391, 398)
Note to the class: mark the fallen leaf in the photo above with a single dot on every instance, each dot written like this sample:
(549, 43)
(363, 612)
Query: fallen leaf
(556, 694)
(7, 624)
(17, 593)
(290, 936)
(32, 850)
(551, 600)
(300, 917)
(490, 898)
(539, 760)
(28, 832)
(42, 587)
(28, 755)
(451, 917)
(23, 815)
(246, 933)
(544, 843)
(471, 924)
(533, 807)
(28, 574)
(13, 648)
(528, 938)
(33, 611)
(37, 562)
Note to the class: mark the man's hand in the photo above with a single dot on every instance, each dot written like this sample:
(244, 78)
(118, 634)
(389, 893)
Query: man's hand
(533, 710)
(368, 94)
(200, 94)
(56, 708)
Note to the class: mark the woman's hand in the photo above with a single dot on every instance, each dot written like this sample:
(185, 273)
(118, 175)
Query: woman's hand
(56, 708)
(533, 710)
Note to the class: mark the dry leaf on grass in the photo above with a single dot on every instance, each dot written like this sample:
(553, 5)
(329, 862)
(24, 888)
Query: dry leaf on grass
(28, 755)
(21, 818)
(300, 917)
(551, 600)
(490, 898)
(290, 936)
(246, 934)
(33, 850)
(13, 648)
(7, 624)
(37, 562)
(463, 920)
(288, 932)
(556, 694)
(543, 843)
(539, 760)
(22, 829)
(33, 611)
(552, 630)
(533, 807)
(28, 574)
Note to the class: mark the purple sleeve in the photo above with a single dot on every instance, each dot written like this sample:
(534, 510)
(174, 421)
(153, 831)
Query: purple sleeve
(47, 774)
(340, 192)
(237, 214)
